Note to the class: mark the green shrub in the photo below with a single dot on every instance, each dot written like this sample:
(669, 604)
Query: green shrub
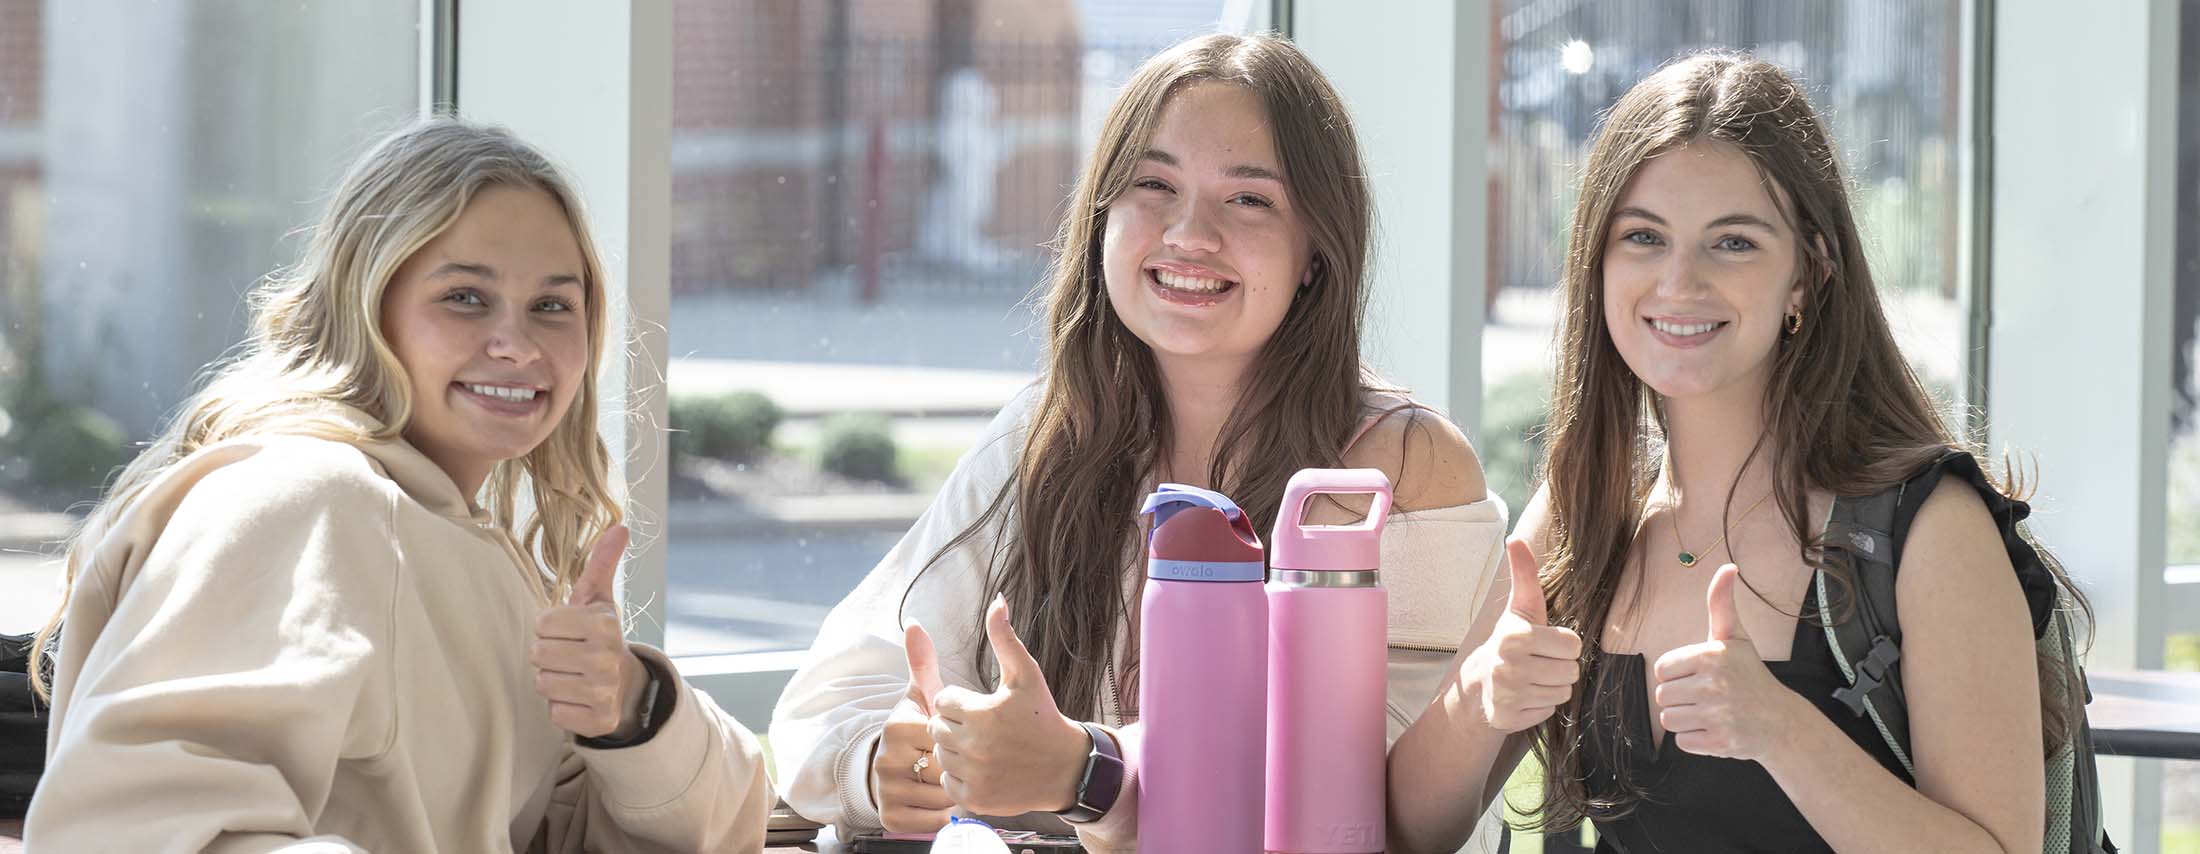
(74, 447)
(735, 427)
(1511, 430)
(859, 446)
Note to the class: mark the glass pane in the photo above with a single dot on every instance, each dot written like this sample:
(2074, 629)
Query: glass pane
(2184, 402)
(2181, 780)
(862, 194)
(154, 160)
(1886, 74)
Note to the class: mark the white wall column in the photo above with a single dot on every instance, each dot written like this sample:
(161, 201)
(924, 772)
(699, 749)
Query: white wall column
(2079, 336)
(591, 84)
(1416, 77)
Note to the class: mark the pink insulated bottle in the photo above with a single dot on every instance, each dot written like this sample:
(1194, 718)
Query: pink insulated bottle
(1202, 676)
(1328, 641)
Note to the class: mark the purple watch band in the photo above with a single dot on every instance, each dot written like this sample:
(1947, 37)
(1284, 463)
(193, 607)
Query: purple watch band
(1102, 781)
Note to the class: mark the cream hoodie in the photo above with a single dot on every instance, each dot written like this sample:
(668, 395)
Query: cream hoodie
(1437, 564)
(297, 645)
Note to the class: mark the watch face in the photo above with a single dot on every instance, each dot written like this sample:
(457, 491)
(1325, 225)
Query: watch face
(1102, 782)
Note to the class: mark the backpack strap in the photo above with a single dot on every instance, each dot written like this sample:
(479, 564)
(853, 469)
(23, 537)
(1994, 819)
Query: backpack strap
(1869, 530)
(1867, 646)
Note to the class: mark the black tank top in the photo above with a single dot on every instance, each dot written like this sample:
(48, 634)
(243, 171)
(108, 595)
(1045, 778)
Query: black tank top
(1703, 803)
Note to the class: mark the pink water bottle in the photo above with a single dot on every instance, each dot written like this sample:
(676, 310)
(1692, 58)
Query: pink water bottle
(1328, 643)
(1202, 676)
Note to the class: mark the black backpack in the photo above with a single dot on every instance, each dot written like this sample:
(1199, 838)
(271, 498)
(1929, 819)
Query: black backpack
(22, 728)
(1868, 644)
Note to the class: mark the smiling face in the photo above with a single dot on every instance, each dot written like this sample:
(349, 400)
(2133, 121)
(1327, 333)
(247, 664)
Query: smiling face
(1700, 270)
(491, 323)
(1205, 250)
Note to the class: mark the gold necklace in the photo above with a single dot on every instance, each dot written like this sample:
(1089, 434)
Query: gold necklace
(1688, 556)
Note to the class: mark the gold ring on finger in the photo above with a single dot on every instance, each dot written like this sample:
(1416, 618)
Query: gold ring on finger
(923, 761)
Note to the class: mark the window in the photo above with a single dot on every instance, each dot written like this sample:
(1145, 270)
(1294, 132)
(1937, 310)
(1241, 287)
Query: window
(195, 137)
(2184, 402)
(1886, 76)
(2181, 780)
(862, 196)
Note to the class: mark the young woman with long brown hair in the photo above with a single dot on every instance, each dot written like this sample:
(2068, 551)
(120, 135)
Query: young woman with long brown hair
(1723, 350)
(1204, 328)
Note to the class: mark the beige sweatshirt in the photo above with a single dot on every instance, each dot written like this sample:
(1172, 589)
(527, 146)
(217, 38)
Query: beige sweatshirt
(1438, 565)
(297, 645)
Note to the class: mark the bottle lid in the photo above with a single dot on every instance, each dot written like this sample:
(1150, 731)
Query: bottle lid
(1201, 535)
(968, 836)
(1332, 548)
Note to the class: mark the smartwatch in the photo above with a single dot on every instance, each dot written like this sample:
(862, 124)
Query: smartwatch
(1102, 781)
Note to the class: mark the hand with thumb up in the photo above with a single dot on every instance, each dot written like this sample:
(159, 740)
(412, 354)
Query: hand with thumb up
(1716, 697)
(1011, 751)
(582, 663)
(1527, 668)
(905, 772)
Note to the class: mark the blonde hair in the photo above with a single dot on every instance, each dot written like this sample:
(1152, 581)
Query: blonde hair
(316, 341)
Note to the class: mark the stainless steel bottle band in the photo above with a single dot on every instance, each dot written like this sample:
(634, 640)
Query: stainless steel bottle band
(1325, 578)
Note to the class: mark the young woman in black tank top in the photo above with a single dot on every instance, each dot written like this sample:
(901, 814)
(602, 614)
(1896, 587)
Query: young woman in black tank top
(1724, 370)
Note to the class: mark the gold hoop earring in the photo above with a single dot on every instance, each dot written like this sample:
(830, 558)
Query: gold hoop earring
(1795, 323)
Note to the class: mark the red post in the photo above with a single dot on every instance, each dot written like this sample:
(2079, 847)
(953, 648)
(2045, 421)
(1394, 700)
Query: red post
(869, 287)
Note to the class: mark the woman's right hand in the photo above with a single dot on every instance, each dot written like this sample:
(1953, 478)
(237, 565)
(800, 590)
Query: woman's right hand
(909, 795)
(1527, 668)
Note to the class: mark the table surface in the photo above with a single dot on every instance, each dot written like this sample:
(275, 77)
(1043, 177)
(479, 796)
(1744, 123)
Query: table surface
(2153, 712)
(11, 841)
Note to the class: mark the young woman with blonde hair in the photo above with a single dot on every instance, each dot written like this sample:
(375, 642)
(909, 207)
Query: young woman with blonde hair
(1204, 318)
(311, 615)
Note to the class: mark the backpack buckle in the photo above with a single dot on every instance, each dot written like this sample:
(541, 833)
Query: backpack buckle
(1871, 673)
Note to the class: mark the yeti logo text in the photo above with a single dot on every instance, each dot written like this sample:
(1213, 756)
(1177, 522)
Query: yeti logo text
(1352, 834)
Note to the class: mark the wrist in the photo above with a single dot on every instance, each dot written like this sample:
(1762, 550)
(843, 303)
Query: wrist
(1070, 770)
(646, 712)
(1798, 731)
(1100, 780)
(870, 773)
(633, 690)
(1467, 699)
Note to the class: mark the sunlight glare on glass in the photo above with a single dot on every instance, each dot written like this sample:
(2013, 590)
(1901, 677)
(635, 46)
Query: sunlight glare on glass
(1576, 57)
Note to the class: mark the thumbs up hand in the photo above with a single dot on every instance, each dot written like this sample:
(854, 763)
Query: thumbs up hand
(1011, 751)
(1527, 668)
(1716, 697)
(905, 768)
(582, 664)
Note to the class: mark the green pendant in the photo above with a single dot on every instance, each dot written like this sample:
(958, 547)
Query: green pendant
(1688, 559)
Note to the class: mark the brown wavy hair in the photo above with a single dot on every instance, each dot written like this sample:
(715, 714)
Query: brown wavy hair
(1843, 411)
(1068, 513)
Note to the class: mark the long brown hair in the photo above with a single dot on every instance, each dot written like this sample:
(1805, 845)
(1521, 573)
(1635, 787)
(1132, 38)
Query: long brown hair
(1842, 410)
(1068, 513)
(316, 343)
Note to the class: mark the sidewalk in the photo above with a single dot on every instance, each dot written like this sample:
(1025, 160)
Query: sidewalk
(808, 389)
